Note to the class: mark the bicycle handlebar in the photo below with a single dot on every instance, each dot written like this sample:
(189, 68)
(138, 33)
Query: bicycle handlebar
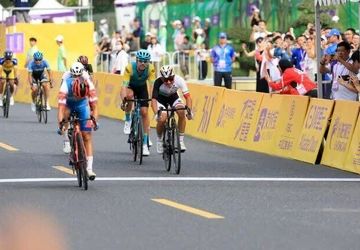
(75, 119)
(137, 100)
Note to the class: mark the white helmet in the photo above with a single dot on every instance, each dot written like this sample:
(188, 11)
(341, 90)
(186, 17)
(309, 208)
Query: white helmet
(167, 71)
(77, 69)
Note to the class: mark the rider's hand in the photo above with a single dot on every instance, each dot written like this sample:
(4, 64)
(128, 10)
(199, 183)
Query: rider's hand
(51, 85)
(124, 104)
(16, 81)
(189, 114)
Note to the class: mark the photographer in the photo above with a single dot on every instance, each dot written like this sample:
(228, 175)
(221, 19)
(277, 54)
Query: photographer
(340, 65)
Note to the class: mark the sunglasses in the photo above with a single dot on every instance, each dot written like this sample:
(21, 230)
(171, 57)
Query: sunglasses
(141, 61)
(37, 60)
(168, 79)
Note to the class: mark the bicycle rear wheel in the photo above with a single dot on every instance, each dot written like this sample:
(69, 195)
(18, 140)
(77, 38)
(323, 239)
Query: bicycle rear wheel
(166, 150)
(133, 137)
(81, 159)
(176, 149)
(139, 138)
(38, 103)
(6, 101)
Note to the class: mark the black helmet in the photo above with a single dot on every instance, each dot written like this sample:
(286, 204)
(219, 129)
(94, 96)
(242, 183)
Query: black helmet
(8, 54)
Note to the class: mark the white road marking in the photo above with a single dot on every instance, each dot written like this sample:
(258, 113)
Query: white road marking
(219, 179)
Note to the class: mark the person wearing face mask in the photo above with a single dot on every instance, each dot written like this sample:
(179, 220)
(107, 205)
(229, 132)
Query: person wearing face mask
(121, 60)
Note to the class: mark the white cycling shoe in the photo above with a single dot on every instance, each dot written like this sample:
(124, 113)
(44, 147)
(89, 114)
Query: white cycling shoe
(91, 174)
(66, 147)
(127, 127)
(182, 146)
(146, 151)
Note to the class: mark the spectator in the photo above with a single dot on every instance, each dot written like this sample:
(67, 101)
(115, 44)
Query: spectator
(145, 44)
(163, 35)
(261, 83)
(22, 16)
(103, 28)
(342, 66)
(184, 49)
(201, 55)
(61, 57)
(222, 57)
(121, 60)
(259, 31)
(298, 53)
(131, 42)
(207, 28)
(105, 50)
(355, 43)
(138, 32)
(196, 25)
(310, 58)
(178, 34)
(293, 81)
(349, 34)
(255, 17)
(33, 48)
(156, 52)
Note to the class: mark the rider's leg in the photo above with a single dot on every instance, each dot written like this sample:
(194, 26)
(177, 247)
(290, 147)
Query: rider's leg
(47, 94)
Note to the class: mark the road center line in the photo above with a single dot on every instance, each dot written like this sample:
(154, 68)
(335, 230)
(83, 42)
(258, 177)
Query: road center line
(7, 147)
(64, 169)
(188, 209)
(214, 179)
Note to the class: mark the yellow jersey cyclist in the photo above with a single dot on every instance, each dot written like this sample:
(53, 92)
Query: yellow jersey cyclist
(135, 79)
(8, 69)
(165, 93)
(36, 72)
(79, 95)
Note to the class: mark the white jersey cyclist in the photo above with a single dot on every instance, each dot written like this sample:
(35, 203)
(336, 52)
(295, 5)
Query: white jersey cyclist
(165, 93)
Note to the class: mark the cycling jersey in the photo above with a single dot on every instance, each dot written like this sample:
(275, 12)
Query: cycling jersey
(133, 78)
(81, 106)
(38, 70)
(168, 95)
(7, 67)
(222, 57)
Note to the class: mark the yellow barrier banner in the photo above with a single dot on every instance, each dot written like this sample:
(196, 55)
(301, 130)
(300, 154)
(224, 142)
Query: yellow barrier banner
(312, 134)
(352, 160)
(206, 105)
(245, 119)
(291, 119)
(266, 123)
(108, 90)
(338, 140)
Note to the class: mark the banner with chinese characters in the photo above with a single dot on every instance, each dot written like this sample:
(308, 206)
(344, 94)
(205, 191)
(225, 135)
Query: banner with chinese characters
(266, 124)
(206, 101)
(235, 105)
(339, 136)
(352, 160)
(291, 119)
(312, 134)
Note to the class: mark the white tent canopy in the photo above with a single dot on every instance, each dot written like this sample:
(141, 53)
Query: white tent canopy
(3, 13)
(51, 9)
(332, 2)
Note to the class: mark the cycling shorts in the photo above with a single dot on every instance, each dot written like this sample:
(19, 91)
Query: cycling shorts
(83, 111)
(42, 78)
(172, 102)
(10, 74)
(141, 92)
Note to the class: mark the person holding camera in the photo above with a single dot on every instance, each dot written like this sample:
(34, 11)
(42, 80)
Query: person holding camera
(340, 65)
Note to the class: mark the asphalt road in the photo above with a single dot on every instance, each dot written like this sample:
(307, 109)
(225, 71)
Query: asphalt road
(245, 200)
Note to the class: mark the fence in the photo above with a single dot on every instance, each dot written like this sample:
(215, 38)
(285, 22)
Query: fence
(188, 65)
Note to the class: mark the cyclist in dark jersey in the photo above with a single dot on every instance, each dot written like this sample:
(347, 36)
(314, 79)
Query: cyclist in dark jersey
(36, 72)
(135, 79)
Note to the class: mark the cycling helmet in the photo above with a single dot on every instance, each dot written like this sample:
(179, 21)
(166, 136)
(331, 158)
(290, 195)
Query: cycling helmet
(143, 55)
(167, 71)
(83, 59)
(8, 54)
(77, 69)
(80, 87)
(38, 56)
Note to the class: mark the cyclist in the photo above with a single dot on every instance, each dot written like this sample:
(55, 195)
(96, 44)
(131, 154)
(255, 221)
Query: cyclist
(87, 66)
(36, 72)
(135, 79)
(76, 70)
(8, 69)
(165, 94)
(79, 95)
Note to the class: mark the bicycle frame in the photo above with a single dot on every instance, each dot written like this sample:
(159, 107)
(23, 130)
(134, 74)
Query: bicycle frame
(41, 101)
(7, 93)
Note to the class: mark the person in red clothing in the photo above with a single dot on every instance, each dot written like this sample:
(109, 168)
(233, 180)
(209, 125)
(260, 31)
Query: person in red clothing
(293, 81)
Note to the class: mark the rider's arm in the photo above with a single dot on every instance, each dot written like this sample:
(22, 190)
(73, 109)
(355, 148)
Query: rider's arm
(155, 94)
(62, 100)
(30, 78)
(93, 100)
(126, 81)
(151, 78)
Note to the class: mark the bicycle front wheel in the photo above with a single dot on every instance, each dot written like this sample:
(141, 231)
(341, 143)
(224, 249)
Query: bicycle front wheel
(140, 135)
(176, 149)
(81, 160)
(44, 109)
(167, 149)
(39, 104)
(6, 101)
